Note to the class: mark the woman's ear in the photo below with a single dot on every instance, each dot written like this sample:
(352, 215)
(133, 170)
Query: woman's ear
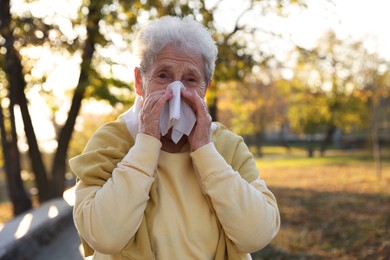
(138, 81)
(209, 85)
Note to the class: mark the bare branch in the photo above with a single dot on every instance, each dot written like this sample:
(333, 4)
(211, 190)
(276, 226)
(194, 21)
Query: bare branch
(237, 27)
(215, 7)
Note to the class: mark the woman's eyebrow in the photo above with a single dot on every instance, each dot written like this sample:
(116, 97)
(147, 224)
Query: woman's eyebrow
(189, 69)
(164, 66)
(194, 72)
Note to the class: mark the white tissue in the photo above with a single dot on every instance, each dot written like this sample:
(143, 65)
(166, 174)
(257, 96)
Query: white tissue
(177, 114)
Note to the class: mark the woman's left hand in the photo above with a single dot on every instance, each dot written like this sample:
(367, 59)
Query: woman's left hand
(200, 134)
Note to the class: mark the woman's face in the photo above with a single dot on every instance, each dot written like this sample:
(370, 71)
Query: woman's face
(172, 65)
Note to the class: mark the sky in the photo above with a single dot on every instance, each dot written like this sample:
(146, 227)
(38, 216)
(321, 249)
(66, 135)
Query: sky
(359, 19)
(367, 20)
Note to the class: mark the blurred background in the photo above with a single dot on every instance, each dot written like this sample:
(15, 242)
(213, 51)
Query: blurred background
(307, 84)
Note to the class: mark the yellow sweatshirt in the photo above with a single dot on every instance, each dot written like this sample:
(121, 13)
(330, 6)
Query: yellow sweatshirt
(134, 201)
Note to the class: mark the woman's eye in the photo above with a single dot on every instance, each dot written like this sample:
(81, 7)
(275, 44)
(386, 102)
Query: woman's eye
(190, 80)
(162, 75)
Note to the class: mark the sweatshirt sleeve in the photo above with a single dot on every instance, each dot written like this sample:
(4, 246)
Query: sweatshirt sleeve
(108, 213)
(247, 210)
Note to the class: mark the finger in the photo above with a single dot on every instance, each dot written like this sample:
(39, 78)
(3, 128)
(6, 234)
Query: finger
(188, 97)
(192, 98)
(156, 100)
(200, 104)
(162, 101)
(153, 97)
(150, 113)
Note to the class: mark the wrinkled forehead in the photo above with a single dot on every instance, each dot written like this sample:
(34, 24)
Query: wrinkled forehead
(173, 58)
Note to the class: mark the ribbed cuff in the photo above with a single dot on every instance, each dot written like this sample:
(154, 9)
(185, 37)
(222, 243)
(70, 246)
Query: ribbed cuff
(144, 154)
(207, 161)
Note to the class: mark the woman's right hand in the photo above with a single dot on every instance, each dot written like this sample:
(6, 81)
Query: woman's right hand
(151, 110)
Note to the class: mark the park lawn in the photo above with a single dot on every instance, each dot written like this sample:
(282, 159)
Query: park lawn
(331, 208)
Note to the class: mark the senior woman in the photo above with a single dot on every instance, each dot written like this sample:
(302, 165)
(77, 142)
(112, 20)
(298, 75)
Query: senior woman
(163, 181)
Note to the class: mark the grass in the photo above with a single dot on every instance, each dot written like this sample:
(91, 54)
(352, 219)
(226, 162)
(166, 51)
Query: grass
(331, 208)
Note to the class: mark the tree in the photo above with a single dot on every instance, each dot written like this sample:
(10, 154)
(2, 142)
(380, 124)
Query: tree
(93, 35)
(18, 195)
(48, 188)
(104, 22)
(375, 91)
(333, 70)
(21, 202)
(252, 107)
(308, 114)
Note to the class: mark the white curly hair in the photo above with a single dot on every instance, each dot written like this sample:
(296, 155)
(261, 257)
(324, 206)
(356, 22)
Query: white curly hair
(185, 33)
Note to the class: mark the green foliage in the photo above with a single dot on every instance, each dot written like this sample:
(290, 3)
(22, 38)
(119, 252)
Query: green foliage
(248, 108)
(308, 112)
(108, 89)
(333, 84)
(328, 88)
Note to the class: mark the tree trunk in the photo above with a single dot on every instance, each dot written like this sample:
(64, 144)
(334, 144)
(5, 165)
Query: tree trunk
(14, 72)
(59, 161)
(310, 147)
(328, 139)
(213, 109)
(13, 69)
(259, 138)
(282, 137)
(376, 149)
(17, 194)
(35, 155)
